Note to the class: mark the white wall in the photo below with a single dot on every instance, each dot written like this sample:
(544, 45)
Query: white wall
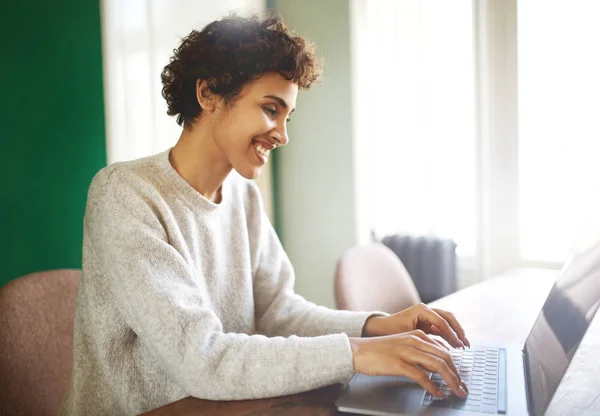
(315, 170)
(138, 38)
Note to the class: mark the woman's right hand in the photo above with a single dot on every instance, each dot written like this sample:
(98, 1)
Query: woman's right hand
(408, 354)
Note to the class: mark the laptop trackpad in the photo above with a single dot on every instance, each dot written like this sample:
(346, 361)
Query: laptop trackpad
(381, 393)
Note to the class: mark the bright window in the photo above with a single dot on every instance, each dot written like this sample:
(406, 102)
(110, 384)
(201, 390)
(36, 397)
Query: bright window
(559, 131)
(417, 110)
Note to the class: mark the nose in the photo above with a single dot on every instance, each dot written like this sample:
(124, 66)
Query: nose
(280, 135)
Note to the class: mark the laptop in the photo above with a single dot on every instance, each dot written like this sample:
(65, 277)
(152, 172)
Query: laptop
(502, 379)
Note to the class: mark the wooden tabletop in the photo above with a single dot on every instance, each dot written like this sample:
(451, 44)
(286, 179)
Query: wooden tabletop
(502, 309)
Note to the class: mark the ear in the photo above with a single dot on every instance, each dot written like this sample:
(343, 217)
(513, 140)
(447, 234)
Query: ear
(206, 98)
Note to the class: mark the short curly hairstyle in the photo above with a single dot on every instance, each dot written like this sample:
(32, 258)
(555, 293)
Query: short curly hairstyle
(231, 52)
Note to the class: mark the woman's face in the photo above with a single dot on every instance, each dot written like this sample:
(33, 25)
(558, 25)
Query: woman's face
(250, 128)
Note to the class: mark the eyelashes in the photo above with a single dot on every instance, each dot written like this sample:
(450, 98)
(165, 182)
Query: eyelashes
(270, 111)
(273, 113)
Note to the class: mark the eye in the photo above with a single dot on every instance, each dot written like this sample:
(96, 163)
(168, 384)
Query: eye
(270, 111)
(273, 113)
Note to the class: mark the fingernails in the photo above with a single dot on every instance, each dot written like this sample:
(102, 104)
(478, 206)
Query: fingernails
(462, 393)
(464, 386)
(440, 393)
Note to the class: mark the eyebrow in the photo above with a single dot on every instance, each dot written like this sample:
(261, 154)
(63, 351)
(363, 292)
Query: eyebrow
(281, 102)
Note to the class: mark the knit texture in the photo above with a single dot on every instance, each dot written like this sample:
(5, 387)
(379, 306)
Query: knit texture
(180, 297)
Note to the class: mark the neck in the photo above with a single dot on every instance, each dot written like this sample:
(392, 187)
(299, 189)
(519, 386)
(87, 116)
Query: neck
(198, 159)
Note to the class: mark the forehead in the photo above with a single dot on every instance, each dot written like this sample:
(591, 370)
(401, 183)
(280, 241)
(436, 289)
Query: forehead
(273, 84)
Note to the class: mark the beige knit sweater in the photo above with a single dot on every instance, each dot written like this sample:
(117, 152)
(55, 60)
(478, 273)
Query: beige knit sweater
(180, 296)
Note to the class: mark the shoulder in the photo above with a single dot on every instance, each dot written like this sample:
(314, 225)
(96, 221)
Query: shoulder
(124, 183)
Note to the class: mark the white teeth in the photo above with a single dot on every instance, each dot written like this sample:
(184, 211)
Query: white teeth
(262, 150)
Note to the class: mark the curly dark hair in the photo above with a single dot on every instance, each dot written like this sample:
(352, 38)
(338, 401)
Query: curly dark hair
(230, 52)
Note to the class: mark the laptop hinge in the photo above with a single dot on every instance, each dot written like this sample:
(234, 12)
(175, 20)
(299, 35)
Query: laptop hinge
(527, 382)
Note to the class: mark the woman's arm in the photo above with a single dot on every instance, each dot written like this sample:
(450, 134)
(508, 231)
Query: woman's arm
(159, 297)
(280, 311)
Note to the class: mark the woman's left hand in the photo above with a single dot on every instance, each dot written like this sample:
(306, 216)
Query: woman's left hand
(430, 320)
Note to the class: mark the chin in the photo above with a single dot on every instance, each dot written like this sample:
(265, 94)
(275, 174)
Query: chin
(249, 172)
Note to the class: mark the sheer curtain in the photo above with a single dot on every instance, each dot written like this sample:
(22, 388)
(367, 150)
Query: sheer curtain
(559, 133)
(414, 113)
(521, 192)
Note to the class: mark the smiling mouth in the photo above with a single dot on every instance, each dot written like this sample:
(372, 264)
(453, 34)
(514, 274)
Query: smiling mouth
(262, 150)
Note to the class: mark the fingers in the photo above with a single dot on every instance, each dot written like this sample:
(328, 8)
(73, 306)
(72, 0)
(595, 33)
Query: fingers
(441, 344)
(423, 343)
(434, 331)
(421, 378)
(438, 365)
(444, 327)
(451, 319)
(430, 329)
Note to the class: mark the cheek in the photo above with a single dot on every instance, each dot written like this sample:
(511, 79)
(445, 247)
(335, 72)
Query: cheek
(245, 132)
(238, 130)
(260, 126)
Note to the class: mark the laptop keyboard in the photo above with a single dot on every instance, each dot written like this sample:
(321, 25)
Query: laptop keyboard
(479, 369)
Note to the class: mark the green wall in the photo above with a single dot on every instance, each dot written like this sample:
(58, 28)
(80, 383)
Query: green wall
(52, 138)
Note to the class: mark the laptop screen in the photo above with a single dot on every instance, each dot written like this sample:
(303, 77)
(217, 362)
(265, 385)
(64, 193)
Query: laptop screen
(562, 323)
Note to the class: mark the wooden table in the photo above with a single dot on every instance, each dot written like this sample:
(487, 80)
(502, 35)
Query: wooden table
(502, 309)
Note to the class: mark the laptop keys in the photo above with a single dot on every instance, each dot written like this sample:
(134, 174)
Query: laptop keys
(479, 370)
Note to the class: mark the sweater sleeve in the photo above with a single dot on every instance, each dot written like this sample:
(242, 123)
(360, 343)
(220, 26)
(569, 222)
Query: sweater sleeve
(162, 299)
(280, 311)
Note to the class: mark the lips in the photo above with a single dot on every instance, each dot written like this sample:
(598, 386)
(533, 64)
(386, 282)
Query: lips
(262, 159)
(265, 145)
(262, 150)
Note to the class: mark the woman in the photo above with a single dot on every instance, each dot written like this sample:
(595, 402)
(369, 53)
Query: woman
(185, 289)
